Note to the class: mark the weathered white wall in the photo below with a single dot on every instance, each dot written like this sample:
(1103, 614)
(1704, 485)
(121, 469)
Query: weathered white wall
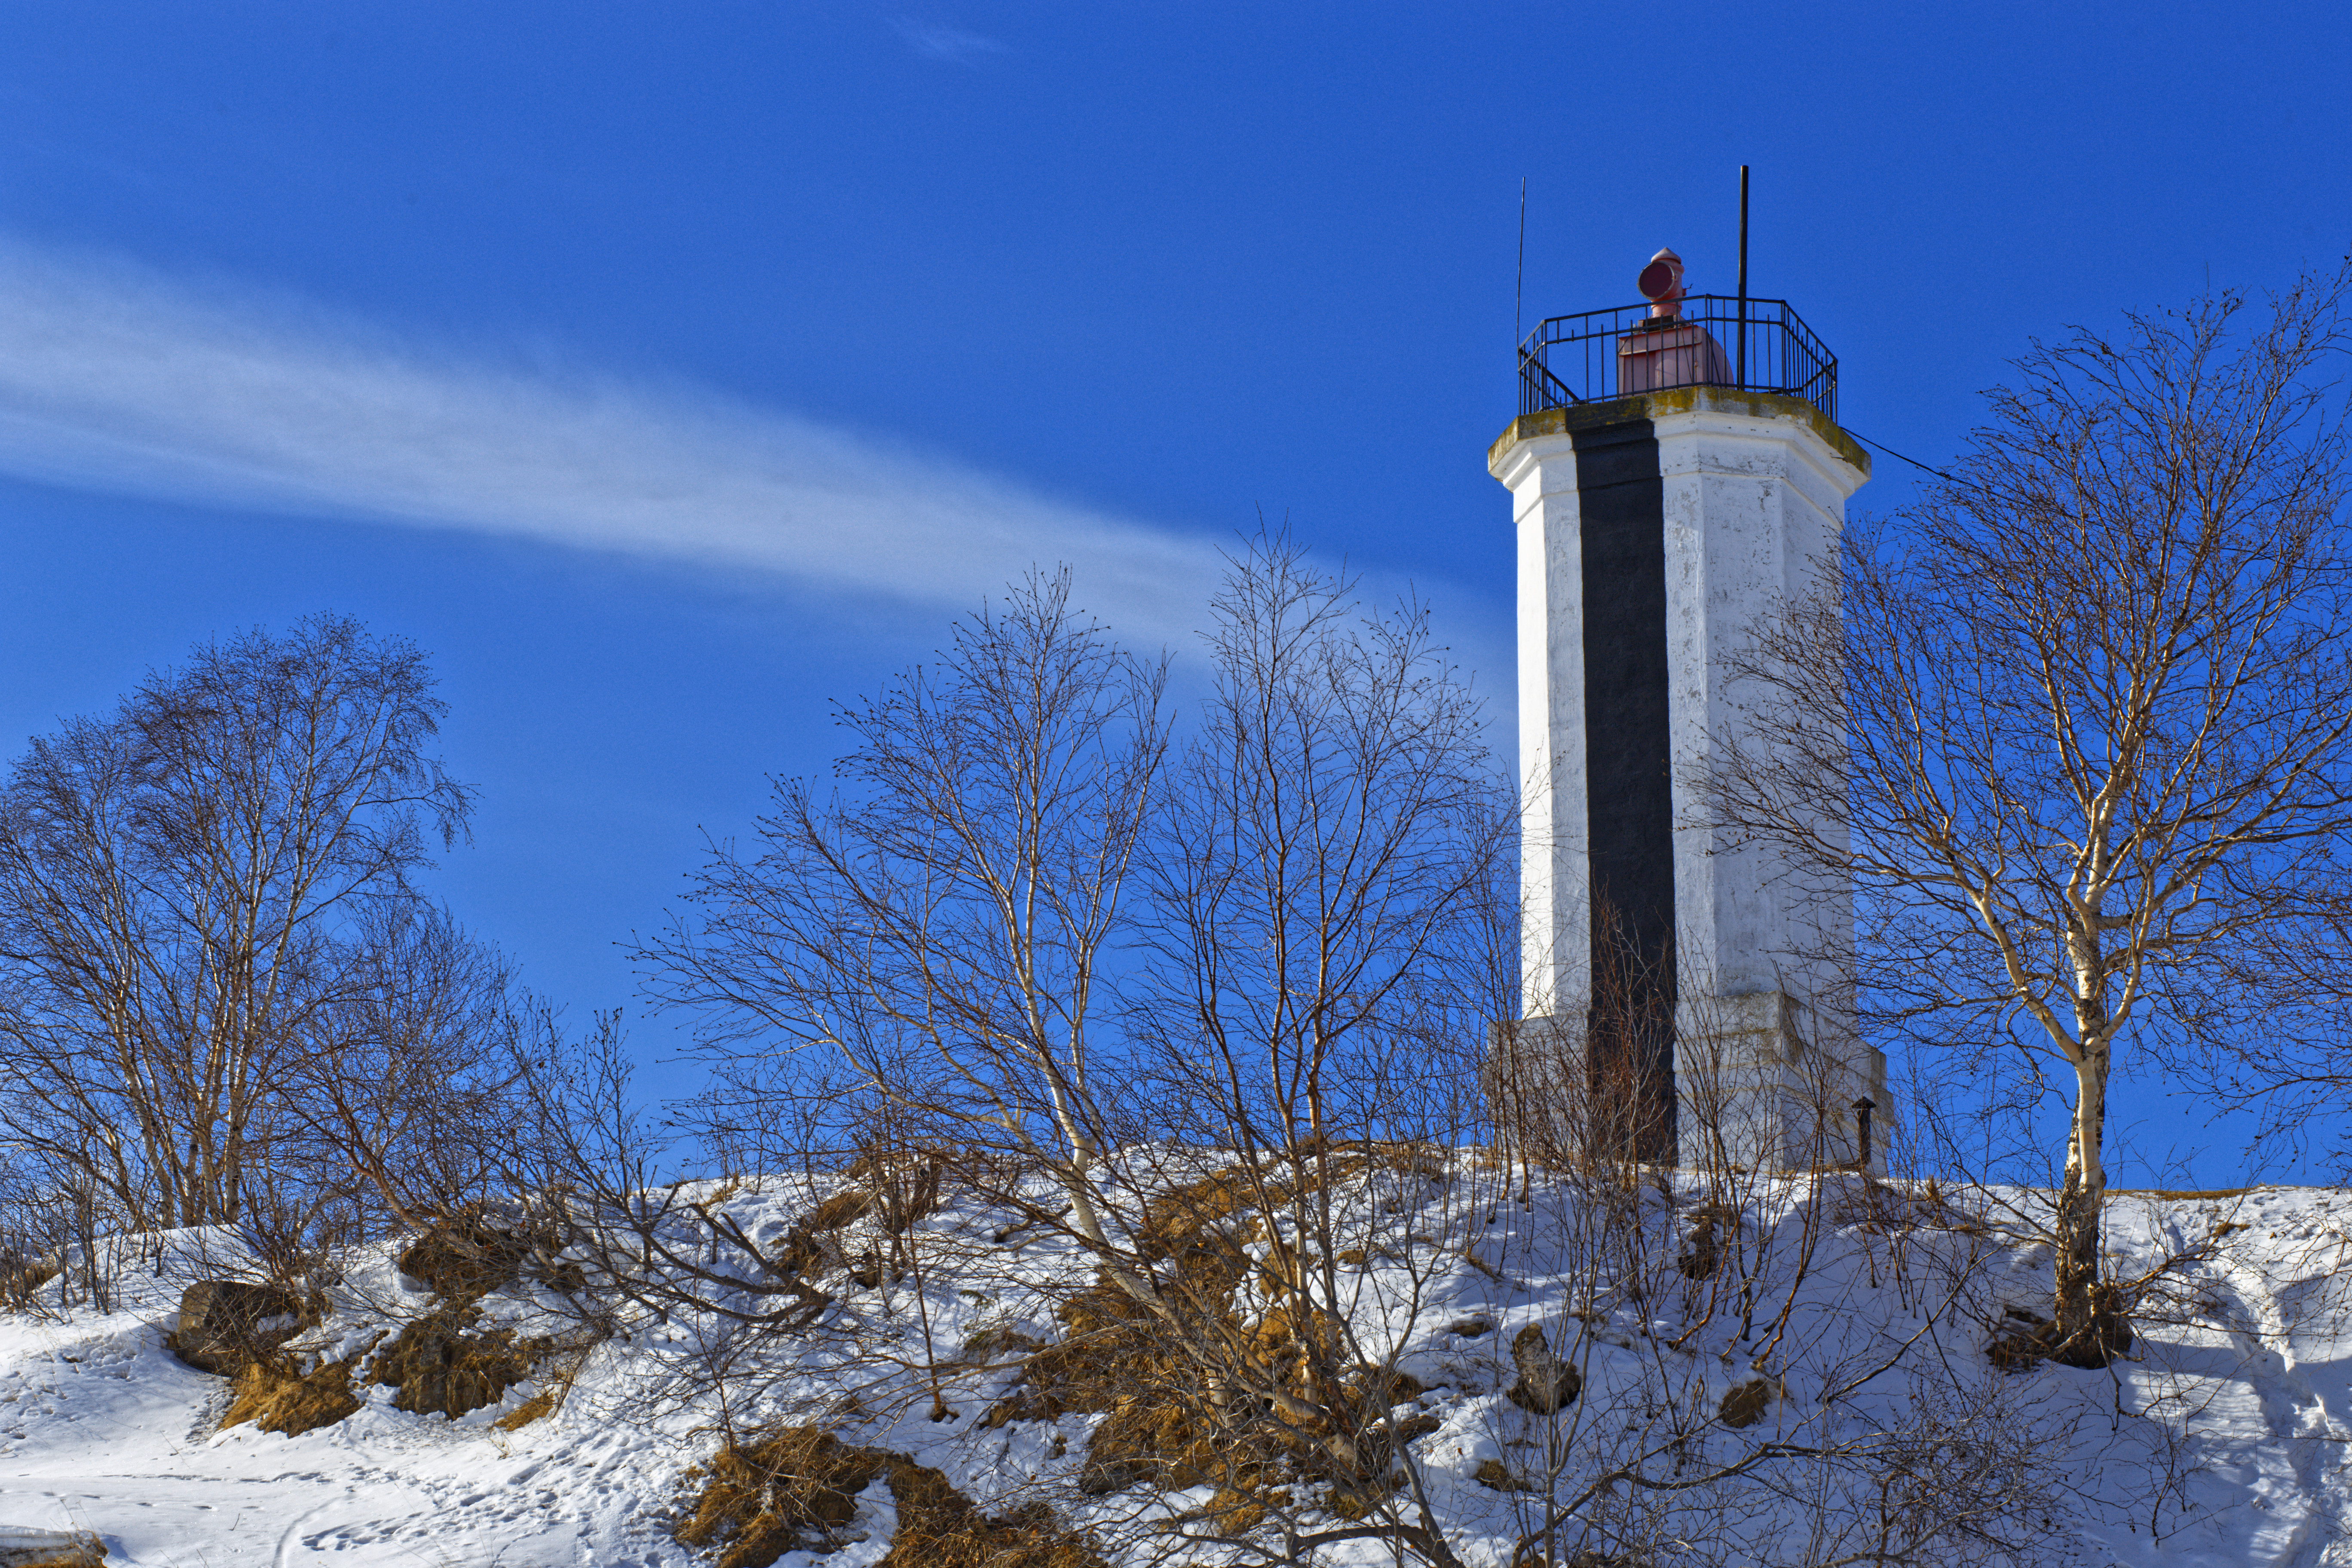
(1766, 1051)
(1752, 506)
(1555, 882)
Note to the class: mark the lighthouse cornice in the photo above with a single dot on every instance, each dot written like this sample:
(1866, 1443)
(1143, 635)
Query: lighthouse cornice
(1504, 457)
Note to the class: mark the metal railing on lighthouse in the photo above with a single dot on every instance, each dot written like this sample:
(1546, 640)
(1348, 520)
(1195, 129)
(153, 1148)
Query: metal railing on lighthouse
(1710, 340)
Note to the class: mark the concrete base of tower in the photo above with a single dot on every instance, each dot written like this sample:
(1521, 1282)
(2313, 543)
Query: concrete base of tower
(1756, 1083)
(1761, 1083)
(1559, 1094)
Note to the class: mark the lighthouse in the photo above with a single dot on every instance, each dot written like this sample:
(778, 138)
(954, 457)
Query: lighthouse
(1676, 473)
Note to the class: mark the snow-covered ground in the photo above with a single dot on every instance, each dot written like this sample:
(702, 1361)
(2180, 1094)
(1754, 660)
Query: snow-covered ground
(2222, 1440)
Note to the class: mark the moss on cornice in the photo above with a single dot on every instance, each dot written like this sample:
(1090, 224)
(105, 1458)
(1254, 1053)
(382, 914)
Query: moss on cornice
(1676, 400)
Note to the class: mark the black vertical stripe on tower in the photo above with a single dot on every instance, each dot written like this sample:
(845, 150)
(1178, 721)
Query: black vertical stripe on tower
(1629, 786)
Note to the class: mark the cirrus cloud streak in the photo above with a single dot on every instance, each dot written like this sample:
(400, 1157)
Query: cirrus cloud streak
(116, 378)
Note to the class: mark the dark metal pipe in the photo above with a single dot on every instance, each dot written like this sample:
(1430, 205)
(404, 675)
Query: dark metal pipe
(1740, 375)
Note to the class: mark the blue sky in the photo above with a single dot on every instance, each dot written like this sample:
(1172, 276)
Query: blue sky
(667, 372)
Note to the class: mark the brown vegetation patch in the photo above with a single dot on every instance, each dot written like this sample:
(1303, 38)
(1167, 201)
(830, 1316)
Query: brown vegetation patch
(999, 1344)
(841, 1209)
(1546, 1381)
(439, 1364)
(2025, 1340)
(901, 1189)
(1174, 1421)
(938, 1527)
(1745, 1405)
(1154, 1439)
(906, 1183)
(1116, 1358)
(276, 1399)
(53, 1549)
(21, 1278)
(1238, 1513)
(1496, 1476)
(465, 1257)
(560, 1363)
(1205, 1222)
(1387, 1388)
(1702, 1252)
(797, 1488)
(1111, 1347)
(813, 1247)
(794, 1489)
(528, 1411)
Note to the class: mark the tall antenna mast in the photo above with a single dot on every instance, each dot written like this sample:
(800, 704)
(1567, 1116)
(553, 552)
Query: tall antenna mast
(1741, 374)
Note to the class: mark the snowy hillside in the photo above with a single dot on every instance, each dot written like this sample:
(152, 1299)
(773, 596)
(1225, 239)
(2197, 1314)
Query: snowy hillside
(1802, 1388)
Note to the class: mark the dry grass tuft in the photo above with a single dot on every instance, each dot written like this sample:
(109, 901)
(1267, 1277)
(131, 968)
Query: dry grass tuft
(841, 1209)
(797, 1488)
(439, 1365)
(224, 1324)
(465, 1257)
(1744, 1406)
(1163, 1429)
(792, 1489)
(1702, 1251)
(1496, 1475)
(938, 1527)
(528, 1411)
(21, 1278)
(278, 1399)
(559, 1366)
(1175, 1421)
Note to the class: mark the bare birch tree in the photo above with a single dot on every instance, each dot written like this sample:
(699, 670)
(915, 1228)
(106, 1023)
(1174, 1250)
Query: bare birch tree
(941, 933)
(1322, 885)
(1301, 897)
(410, 1079)
(2078, 725)
(1328, 854)
(187, 888)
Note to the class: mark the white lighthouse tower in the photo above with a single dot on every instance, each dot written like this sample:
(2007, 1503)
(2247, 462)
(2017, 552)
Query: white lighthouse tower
(1675, 471)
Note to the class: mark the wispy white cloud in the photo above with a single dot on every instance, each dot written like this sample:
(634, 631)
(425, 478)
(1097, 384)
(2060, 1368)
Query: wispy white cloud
(941, 42)
(116, 378)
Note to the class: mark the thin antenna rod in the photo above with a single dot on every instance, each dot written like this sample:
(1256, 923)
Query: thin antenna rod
(1741, 374)
(1518, 289)
(1518, 297)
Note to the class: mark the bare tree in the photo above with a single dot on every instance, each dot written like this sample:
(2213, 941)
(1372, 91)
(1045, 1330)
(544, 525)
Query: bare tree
(932, 957)
(196, 892)
(941, 933)
(411, 1075)
(1321, 876)
(2078, 726)
(1322, 916)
